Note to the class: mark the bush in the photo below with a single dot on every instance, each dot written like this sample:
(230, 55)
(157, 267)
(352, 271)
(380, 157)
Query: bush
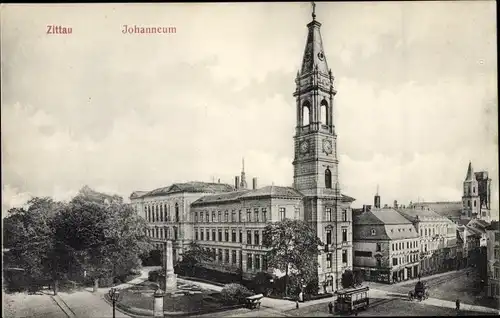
(153, 276)
(106, 282)
(234, 294)
(261, 283)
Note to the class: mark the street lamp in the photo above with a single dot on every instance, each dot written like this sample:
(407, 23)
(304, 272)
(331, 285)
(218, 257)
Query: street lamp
(114, 295)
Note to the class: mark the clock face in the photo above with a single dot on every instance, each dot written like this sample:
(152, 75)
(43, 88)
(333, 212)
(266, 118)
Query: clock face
(304, 146)
(327, 146)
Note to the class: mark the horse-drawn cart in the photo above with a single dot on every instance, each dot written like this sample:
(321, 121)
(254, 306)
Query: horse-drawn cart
(253, 302)
(420, 292)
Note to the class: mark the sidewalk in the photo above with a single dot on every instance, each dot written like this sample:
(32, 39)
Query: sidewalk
(144, 276)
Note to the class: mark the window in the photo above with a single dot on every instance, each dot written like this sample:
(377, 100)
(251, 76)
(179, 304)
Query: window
(363, 253)
(233, 216)
(226, 235)
(219, 216)
(157, 235)
(379, 262)
(328, 260)
(233, 236)
(474, 203)
(305, 114)
(282, 212)
(264, 215)
(213, 216)
(249, 237)
(201, 216)
(425, 232)
(297, 213)
(407, 244)
(239, 216)
(328, 215)
(220, 255)
(328, 237)
(195, 216)
(468, 203)
(344, 215)
(379, 247)
(175, 233)
(226, 216)
(220, 235)
(373, 232)
(161, 213)
(196, 234)
(202, 235)
(328, 178)
(474, 190)
(226, 258)
(249, 261)
(344, 256)
(233, 256)
(393, 246)
(256, 215)
(257, 262)
(256, 238)
(394, 261)
(344, 235)
(176, 212)
(421, 233)
(249, 215)
(214, 235)
(241, 236)
(208, 235)
(264, 263)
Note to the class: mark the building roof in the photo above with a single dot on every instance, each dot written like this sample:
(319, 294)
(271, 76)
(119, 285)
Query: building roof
(190, 187)
(494, 226)
(382, 219)
(421, 214)
(314, 55)
(265, 192)
(450, 209)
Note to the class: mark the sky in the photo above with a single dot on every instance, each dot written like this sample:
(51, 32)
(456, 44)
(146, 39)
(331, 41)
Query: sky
(416, 81)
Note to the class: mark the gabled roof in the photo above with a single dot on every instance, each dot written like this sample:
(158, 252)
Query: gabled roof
(189, 187)
(265, 192)
(414, 214)
(388, 224)
(450, 209)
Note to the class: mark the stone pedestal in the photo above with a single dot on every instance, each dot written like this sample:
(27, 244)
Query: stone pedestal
(170, 276)
(158, 303)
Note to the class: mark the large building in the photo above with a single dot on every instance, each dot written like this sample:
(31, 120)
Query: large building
(493, 257)
(438, 239)
(229, 220)
(386, 246)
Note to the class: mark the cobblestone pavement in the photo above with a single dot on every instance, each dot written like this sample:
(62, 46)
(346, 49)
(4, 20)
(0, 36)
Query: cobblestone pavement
(24, 305)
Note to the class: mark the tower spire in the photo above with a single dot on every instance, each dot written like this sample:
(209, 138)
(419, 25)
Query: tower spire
(313, 10)
(469, 172)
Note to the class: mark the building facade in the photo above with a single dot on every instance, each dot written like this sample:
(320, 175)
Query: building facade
(386, 246)
(493, 257)
(167, 211)
(438, 239)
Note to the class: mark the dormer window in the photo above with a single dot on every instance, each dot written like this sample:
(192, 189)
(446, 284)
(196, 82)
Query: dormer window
(373, 232)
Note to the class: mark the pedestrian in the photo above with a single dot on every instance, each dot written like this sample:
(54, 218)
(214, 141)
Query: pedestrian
(330, 307)
(467, 274)
(296, 304)
(457, 303)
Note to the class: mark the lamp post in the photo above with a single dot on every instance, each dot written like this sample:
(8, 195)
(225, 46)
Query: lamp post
(114, 295)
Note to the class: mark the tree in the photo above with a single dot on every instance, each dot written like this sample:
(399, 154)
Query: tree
(293, 248)
(352, 278)
(195, 255)
(106, 237)
(29, 234)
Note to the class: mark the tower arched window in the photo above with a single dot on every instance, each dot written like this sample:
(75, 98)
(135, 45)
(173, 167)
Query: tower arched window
(328, 178)
(306, 113)
(324, 112)
(474, 190)
(474, 203)
(177, 212)
(468, 203)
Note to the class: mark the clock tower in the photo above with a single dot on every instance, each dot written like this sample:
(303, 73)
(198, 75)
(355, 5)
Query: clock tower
(315, 163)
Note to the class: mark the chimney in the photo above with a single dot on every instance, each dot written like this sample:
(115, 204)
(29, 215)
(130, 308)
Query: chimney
(218, 181)
(385, 206)
(236, 182)
(367, 207)
(376, 200)
(396, 204)
(254, 183)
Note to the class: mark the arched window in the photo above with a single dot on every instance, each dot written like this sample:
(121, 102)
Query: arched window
(324, 112)
(177, 212)
(306, 113)
(157, 214)
(328, 178)
(468, 203)
(161, 213)
(157, 233)
(474, 203)
(175, 233)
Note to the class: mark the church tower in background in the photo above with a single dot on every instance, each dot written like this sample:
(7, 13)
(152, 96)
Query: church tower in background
(316, 163)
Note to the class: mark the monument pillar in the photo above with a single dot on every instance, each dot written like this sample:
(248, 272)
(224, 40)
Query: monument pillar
(170, 276)
(158, 304)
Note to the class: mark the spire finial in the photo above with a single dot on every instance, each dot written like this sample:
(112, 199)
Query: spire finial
(243, 164)
(377, 190)
(314, 10)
